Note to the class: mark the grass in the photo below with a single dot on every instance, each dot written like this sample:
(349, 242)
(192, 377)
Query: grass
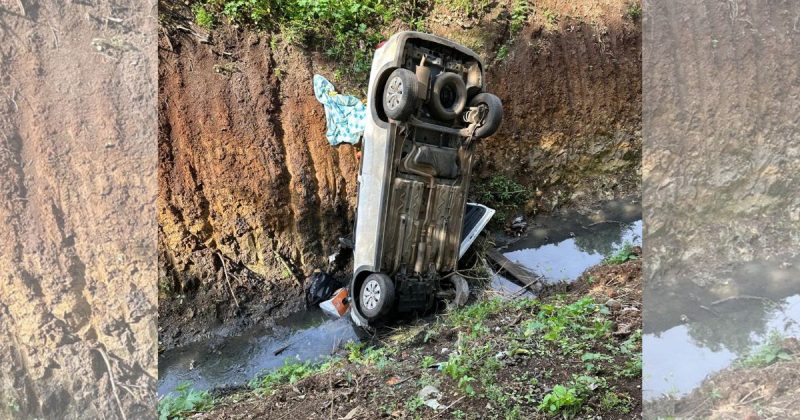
(346, 31)
(768, 353)
(468, 7)
(289, 373)
(187, 401)
(502, 194)
(634, 11)
(489, 359)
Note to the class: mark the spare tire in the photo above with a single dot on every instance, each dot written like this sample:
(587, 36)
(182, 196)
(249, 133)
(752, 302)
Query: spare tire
(400, 94)
(449, 96)
(494, 113)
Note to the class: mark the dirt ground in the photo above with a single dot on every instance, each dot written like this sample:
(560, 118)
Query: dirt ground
(245, 171)
(510, 375)
(77, 211)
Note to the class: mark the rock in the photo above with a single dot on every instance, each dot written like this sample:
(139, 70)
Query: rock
(429, 394)
(613, 304)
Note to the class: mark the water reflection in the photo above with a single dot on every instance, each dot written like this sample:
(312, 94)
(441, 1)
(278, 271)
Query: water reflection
(568, 259)
(677, 360)
(220, 361)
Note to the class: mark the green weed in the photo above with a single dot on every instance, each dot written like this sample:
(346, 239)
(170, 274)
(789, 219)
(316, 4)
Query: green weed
(623, 255)
(289, 373)
(634, 11)
(560, 399)
(346, 31)
(202, 16)
(502, 53)
(501, 191)
(427, 362)
(614, 401)
(768, 353)
(519, 14)
(187, 401)
(473, 314)
(550, 16)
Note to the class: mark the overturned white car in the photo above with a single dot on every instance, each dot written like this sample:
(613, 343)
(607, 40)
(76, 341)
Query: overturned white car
(426, 110)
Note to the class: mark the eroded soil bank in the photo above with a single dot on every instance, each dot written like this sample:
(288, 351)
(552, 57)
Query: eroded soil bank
(246, 175)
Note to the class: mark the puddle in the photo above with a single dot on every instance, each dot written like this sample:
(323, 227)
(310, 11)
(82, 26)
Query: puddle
(676, 361)
(561, 248)
(225, 361)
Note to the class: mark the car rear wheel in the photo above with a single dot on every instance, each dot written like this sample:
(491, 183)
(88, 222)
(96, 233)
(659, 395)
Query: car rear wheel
(449, 96)
(399, 94)
(376, 296)
(492, 108)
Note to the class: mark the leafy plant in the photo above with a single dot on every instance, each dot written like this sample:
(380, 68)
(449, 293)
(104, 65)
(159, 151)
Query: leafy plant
(519, 14)
(346, 31)
(502, 53)
(550, 16)
(560, 399)
(767, 354)
(427, 362)
(202, 16)
(623, 255)
(614, 401)
(458, 368)
(185, 402)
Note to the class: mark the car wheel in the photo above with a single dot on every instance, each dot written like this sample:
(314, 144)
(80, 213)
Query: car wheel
(493, 108)
(449, 96)
(400, 94)
(376, 296)
(461, 290)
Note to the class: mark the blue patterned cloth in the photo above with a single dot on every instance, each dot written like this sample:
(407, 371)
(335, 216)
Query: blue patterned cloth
(346, 115)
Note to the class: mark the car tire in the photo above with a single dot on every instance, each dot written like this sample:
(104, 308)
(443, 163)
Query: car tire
(449, 96)
(461, 290)
(400, 94)
(376, 296)
(494, 114)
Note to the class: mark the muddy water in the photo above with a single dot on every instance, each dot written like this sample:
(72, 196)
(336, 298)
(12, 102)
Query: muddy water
(232, 361)
(678, 359)
(561, 247)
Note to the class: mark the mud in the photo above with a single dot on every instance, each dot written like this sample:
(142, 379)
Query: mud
(77, 180)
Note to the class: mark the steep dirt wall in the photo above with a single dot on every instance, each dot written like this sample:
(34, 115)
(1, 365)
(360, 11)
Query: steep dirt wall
(77, 216)
(723, 202)
(244, 165)
(571, 89)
